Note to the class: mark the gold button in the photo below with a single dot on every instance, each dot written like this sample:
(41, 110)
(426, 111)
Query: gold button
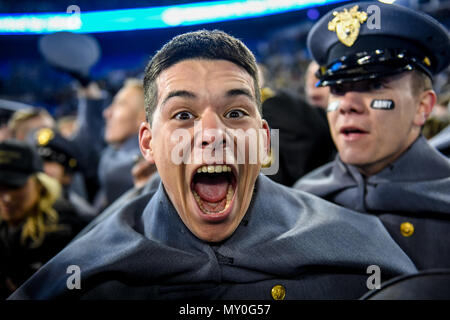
(278, 292)
(407, 229)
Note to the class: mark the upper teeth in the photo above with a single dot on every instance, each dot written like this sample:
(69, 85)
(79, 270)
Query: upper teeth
(214, 169)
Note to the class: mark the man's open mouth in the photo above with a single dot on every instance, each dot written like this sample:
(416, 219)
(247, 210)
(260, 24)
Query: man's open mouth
(352, 130)
(213, 187)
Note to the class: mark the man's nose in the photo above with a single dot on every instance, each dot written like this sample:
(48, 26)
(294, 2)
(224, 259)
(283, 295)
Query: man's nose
(351, 102)
(213, 129)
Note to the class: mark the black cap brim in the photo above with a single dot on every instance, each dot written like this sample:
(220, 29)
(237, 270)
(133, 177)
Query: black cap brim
(370, 65)
(10, 179)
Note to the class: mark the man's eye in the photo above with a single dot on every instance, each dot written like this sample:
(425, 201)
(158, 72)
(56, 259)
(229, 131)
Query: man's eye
(337, 89)
(183, 115)
(235, 114)
(376, 85)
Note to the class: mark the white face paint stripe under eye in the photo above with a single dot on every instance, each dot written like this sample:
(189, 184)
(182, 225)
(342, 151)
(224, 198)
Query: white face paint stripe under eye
(333, 106)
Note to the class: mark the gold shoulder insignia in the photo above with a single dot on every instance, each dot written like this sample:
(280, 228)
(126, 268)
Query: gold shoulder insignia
(44, 136)
(346, 24)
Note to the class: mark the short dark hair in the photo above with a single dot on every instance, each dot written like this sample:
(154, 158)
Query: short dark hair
(203, 44)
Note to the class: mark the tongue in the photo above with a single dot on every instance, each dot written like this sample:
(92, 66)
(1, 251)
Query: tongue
(211, 188)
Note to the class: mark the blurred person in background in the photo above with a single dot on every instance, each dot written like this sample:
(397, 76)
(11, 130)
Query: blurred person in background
(266, 90)
(5, 132)
(59, 157)
(439, 118)
(24, 121)
(315, 96)
(67, 126)
(123, 118)
(33, 228)
(89, 136)
(105, 133)
(75, 54)
(442, 108)
(305, 140)
(441, 140)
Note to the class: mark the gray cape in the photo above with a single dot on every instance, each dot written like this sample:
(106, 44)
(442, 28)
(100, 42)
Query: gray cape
(415, 189)
(315, 249)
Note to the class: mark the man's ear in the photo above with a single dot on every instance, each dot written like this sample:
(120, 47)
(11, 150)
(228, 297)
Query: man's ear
(427, 99)
(266, 137)
(266, 128)
(145, 142)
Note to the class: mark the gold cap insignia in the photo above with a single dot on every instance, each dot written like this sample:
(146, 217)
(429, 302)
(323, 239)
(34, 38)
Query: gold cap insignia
(323, 69)
(346, 24)
(44, 136)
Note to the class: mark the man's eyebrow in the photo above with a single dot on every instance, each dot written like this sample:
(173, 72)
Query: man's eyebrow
(237, 92)
(180, 93)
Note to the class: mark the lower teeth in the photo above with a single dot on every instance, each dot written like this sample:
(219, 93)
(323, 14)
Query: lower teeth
(227, 204)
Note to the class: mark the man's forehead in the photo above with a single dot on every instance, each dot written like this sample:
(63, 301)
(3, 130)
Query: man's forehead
(196, 74)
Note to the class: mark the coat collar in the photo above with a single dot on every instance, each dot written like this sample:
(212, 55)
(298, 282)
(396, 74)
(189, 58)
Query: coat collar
(419, 162)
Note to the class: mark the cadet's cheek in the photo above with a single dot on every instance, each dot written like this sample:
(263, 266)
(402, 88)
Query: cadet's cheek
(388, 125)
(165, 149)
(331, 116)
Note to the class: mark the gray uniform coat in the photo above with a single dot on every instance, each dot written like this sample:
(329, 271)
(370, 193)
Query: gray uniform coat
(315, 249)
(414, 191)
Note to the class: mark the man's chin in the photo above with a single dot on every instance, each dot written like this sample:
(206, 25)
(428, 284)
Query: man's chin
(215, 232)
(353, 156)
(215, 227)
